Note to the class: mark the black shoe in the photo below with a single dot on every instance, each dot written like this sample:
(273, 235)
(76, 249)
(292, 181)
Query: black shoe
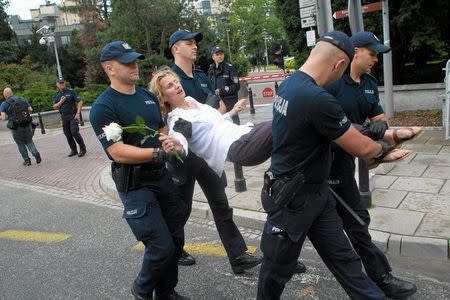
(186, 259)
(299, 268)
(72, 153)
(171, 296)
(82, 153)
(244, 262)
(27, 162)
(396, 288)
(138, 296)
(38, 158)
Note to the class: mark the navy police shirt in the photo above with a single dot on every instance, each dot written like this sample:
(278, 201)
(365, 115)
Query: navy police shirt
(113, 106)
(358, 100)
(197, 87)
(69, 107)
(305, 120)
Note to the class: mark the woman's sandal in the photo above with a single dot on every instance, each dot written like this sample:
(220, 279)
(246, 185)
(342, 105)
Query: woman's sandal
(415, 131)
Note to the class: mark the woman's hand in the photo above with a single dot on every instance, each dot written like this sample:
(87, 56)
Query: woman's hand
(238, 107)
(170, 144)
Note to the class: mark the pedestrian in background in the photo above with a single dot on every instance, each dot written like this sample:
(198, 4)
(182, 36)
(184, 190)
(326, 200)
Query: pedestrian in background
(153, 207)
(17, 110)
(69, 105)
(224, 79)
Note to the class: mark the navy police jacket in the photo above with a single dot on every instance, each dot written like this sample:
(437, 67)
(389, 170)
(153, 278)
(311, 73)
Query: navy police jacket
(225, 78)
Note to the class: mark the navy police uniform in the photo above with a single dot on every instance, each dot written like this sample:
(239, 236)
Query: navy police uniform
(212, 185)
(305, 119)
(359, 102)
(225, 78)
(70, 126)
(153, 209)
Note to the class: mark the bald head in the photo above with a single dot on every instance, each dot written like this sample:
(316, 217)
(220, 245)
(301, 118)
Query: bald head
(327, 52)
(7, 92)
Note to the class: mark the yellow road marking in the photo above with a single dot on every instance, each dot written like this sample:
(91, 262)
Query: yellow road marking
(34, 236)
(207, 249)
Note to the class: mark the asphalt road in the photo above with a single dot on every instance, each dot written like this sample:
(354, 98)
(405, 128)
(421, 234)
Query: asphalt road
(53, 247)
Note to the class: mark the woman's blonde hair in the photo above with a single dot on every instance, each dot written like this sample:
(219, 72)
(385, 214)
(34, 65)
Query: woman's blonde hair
(155, 87)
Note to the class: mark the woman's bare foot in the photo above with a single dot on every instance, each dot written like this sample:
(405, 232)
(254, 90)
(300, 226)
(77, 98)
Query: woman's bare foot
(399, 135)
(394, 155)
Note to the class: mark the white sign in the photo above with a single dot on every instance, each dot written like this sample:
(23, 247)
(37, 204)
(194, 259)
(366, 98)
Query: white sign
(309, 11)
(308, 22)
(305, 3)
(311, 38)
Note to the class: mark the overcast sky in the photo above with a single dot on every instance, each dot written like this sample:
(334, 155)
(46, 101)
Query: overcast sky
(22, 7)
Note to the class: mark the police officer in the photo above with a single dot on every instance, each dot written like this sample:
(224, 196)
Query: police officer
(224, 79)
(69, 105)
(152, 206)
(357, 93)
(183, 45)
(296, 195)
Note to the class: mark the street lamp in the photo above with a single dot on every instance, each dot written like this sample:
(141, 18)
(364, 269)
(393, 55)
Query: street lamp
(227, 21)
(265, 45)
(48, 37)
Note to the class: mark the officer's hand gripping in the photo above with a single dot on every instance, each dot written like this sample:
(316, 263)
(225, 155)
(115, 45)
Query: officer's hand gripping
(377, 129)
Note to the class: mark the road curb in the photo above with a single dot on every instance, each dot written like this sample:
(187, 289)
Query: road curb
(393, 244)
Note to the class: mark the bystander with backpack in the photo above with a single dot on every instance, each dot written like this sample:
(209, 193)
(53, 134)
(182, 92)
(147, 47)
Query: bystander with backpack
(17, 110)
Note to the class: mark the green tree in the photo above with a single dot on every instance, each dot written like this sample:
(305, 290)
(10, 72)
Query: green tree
(6, 33)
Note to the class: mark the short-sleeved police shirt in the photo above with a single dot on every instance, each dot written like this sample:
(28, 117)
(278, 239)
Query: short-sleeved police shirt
(358, 100)
(305, 120)
(198, 86)
(69, 107)
(113, 106)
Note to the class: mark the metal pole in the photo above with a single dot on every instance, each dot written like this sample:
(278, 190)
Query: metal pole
(355, 16)
(57, 58)
(81, 118)
(229, 48)
(387, 64)
(239, 180)
(41, 123)
(324, 16)
(267, 56)
(250, 100)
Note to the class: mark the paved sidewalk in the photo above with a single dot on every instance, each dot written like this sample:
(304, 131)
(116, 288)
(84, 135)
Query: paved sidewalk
(411, 198)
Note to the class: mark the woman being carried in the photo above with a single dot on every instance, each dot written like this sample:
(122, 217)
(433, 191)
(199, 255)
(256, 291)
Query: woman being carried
(213, 136)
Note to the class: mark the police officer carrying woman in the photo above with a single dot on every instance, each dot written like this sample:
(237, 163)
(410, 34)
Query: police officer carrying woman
(152, 206)
(296, 196)
(224, 79)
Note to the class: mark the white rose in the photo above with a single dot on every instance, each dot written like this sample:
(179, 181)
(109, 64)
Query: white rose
(113, 132)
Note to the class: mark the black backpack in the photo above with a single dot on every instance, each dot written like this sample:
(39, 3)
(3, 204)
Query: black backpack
(20, 115)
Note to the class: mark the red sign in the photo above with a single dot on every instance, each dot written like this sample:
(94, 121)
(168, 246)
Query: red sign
(340, 14)
(267, 92)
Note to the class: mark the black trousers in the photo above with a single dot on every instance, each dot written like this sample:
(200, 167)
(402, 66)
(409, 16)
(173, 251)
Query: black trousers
(313, 215)
(72, 132)
(213, 186)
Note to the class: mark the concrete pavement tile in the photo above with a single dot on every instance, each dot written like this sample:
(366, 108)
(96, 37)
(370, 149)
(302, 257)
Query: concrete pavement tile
(435, 225)
(395, 220)
(380, 239)
(438, 141)
(424, 247)
(254, 183)
(424, 148)
(382, 169)
(427, 185)
(427, 203)
(249, 200)
(408, 170)
(394, 244)
(427, 159)
(445, 150)
(446, 188)
(442, 172)
(200, 210)
(383, 182)
(387, 198)
(249, 219)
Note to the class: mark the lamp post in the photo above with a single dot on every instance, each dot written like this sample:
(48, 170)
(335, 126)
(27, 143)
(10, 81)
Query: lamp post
(48, 37)
(265, 47)
(227, 21)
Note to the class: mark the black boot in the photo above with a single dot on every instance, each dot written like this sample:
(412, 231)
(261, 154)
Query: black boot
(172, 296)
(396, 288)
(186, 259)
(244, 262)
(82, 153)
(38, 158)
(27, 162)
(72, 153)
(139, 296)
(299, 268)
